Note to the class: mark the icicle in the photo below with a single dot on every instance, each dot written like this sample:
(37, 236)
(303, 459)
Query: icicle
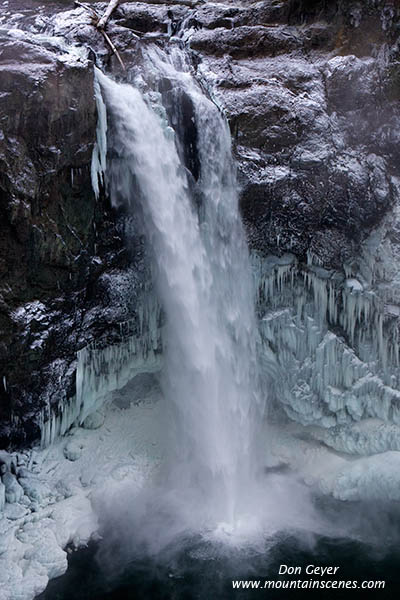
(99, 155)
(321, 379)
(101, 370)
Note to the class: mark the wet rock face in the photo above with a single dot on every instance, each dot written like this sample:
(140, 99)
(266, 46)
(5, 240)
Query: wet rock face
(310, 88)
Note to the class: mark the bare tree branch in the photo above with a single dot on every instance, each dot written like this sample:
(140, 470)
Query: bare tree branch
(88, 8)
(113, 48)
(97, 22)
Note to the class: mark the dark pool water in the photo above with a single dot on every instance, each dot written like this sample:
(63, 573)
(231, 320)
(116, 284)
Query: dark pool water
(200, 572)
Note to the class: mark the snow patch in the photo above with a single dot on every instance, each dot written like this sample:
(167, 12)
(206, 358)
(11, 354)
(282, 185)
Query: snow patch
(53, 508)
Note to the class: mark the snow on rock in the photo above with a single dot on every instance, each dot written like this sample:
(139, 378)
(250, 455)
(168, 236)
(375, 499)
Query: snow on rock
(33, 556)
(15, 512)
(51, 498)
(373, 478)
(6, 536)
(13, 490)
(369, 478)
(73, 450)
(76, 521)
(354, 285)
(94, 421)
(35, 489)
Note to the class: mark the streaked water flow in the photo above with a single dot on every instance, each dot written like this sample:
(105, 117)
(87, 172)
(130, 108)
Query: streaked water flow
(204, 281)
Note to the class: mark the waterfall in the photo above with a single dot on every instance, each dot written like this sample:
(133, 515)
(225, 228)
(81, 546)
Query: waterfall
(203, 278)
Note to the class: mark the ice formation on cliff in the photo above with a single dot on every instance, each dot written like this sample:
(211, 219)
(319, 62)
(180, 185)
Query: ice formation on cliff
(103, 369)
(335, 345)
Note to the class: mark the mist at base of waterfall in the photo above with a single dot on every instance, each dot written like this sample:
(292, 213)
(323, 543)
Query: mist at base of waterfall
(163, 542)
(153, 546)
(166, 542)
(159, 527)
(159, 520)
(200, 569)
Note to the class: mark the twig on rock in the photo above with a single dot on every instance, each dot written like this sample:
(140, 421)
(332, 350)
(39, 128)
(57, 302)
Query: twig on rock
(88, 8)
(113, 48)
(100, 23)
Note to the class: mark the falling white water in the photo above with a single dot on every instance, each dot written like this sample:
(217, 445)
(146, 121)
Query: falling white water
(204, 282)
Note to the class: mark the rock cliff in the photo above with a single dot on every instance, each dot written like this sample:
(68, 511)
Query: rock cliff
(310, 89)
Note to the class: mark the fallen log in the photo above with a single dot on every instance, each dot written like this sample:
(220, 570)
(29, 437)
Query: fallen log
(107, 14)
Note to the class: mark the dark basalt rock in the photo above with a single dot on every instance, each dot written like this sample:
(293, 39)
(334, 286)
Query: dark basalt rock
(56, 240)
(181, 115)
(310, 88)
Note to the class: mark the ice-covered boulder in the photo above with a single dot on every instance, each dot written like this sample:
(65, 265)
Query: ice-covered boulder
(13, 490)
(15, 512)
(34, 488)
(73, 450)
(94, 421)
